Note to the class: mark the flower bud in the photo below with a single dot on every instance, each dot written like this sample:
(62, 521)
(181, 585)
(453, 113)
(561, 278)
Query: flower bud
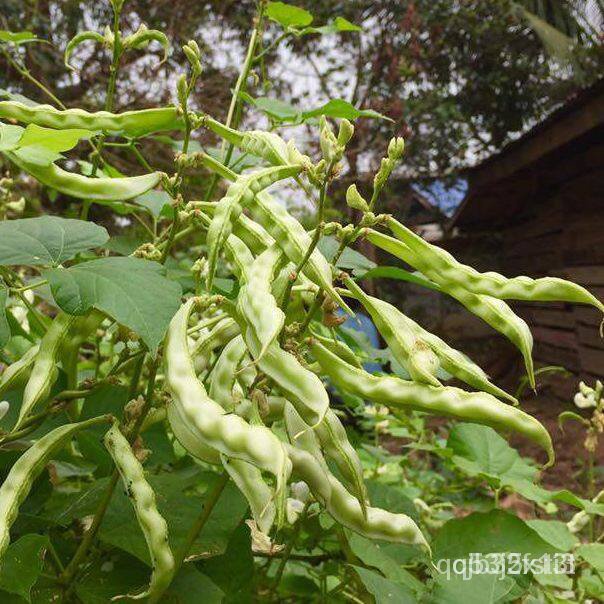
(355, 200)
(345, 133)
(182, 91)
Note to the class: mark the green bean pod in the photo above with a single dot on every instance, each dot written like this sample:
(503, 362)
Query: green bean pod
(478, 407)
(78, 39)
(18, 372)
(27, 468)
(84, 187)
(130, 123)
(330, 437)
(256, 303)
(151, 522)
(207, 421)
(408, 349)
(346, 509)
(300, 386)
(249, 231)
(259, 495)
(493, 311)
(267, 145)
(339, 348)
(442, 267)
(457, 363)
(223, 376)
(239, 195)
(223, 332)
(44, 372)
(295, 241)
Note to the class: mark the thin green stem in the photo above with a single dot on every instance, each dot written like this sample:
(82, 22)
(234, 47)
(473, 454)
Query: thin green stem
(287, 552)
(226, 151)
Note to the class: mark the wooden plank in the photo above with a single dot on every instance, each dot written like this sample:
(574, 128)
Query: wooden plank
(552, 355)
(592, 360)
(551, 318)
(585, 275)
(555, 337)
(587, 315)
(590, 335)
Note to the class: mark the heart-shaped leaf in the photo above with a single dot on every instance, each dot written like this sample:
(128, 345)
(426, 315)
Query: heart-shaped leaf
(135, 292)
(47, 240)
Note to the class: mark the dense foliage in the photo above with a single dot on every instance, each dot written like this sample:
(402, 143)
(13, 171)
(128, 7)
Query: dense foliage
(189, 411)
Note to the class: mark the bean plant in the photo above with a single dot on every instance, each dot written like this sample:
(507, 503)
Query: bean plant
(187, 413)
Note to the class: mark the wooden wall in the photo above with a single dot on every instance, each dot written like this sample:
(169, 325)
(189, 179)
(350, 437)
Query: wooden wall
(545, 219)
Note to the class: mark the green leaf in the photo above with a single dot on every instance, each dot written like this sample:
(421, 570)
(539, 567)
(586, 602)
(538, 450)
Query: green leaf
(51, 139)
(383, 590)
(22, 564)
(47, 240)
(492, 532)
(133, 291)
(121, 530)
(339, 108)
(288, 15)
(154, 201)
(278, 110)
(337, 26)
(593, 554)
(188, 586)
(18, 37)
(400, 274)
(9, 136)
(345, 25)
(479, 450)
(554, 532)
(350, 259)
(5, 332)
(375, 554)
(119, 575)
(233, 571)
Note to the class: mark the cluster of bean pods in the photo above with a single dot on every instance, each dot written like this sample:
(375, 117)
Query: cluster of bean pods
(249, 378)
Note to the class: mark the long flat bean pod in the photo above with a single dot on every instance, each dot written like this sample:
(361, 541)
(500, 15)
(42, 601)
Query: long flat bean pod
(442, 267)
(346, 509)
(44, 372)
(408, 349)
(152, 523)
(295, 241)
(84, 187)
(16, 373)
(267, 145)
(259, 495)
(256, 303)
(457, 363)
(332, 438)
(493, 311)
(227, 433)
(239, 195)
(27, 468)
(223, 378)
(130, 123)
(222, 333)
(300, 386)
(254, 235)
(478, 407)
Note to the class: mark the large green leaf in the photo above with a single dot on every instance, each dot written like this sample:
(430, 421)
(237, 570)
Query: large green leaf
(288, 15)
(593, 554)
(47, 240)
(350, 259)
(383, 590)
(479, 450)
(4, 326)
(135, 292)
(339, 108)
(22, 564)
(121, 530)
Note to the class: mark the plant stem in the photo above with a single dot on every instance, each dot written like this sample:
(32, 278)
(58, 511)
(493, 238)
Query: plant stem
(226, 152)
(196, 528)
(287, 552)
